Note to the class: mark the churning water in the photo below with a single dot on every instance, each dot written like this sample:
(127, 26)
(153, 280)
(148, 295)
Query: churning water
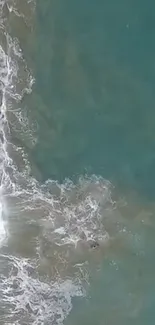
(77, 119)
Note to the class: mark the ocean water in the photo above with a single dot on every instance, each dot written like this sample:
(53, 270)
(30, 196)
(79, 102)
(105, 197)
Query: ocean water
(77, 123)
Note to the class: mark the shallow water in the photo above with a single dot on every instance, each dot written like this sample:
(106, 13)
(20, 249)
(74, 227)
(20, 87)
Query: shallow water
(94, 76)
(77, 162)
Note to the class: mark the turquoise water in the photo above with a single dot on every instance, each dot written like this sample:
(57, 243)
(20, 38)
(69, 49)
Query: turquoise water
(77, 140)
(95, 76)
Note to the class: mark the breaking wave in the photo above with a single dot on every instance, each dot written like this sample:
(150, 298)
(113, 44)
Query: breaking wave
(42, 227)
(50, 233)
(28, 300)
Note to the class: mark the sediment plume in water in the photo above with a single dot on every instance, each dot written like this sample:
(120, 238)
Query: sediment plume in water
(53, 236)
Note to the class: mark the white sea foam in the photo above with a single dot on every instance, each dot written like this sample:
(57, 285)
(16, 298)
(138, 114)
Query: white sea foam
(45, 222)
(62, 214)
(31, 300)
(25, 297)
(67, 212)
(79, 208)
(2, 226)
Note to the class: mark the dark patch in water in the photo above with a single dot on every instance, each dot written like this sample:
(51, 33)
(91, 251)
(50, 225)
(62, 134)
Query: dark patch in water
(93, 244)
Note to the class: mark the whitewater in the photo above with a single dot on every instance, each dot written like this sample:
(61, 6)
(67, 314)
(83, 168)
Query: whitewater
(53, 236)
(60, 215)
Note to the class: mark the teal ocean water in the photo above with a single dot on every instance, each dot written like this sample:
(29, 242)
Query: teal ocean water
(95, 75)
(77, 158)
